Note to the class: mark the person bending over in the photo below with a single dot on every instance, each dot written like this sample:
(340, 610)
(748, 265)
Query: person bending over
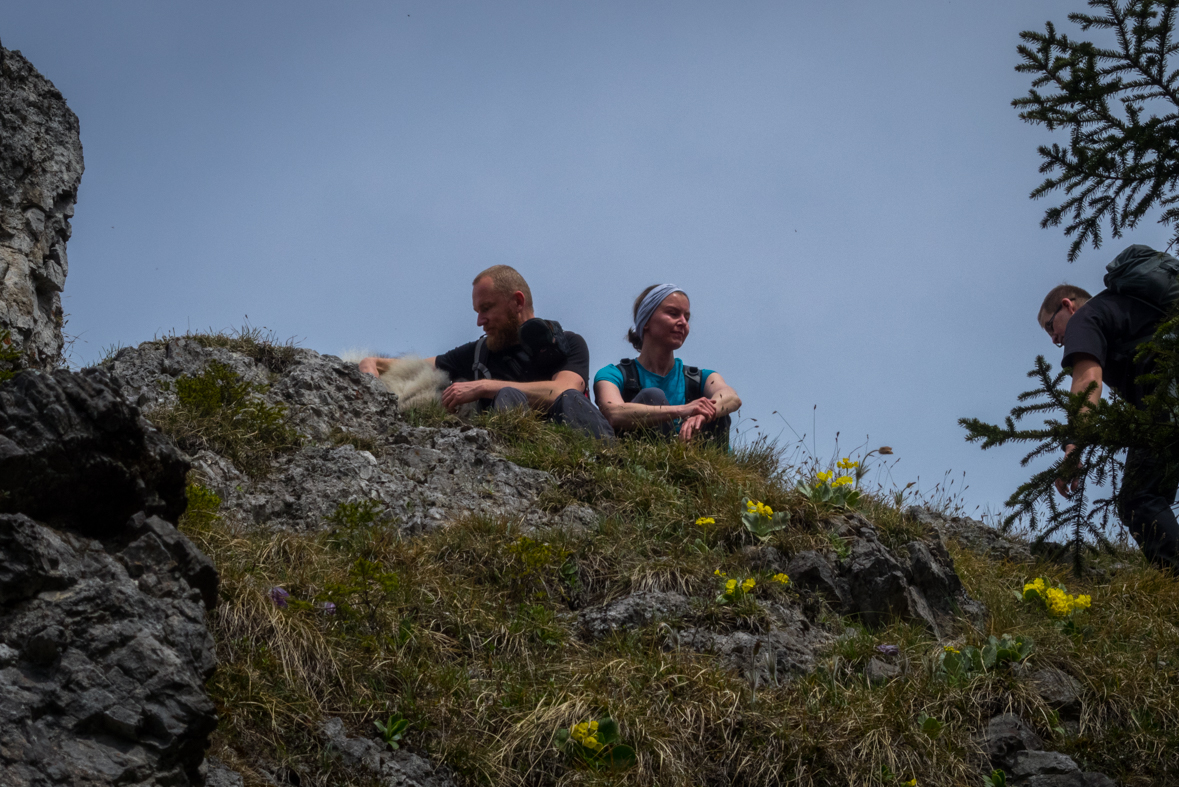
(656, 391)
(520, 361)
(1100, 335)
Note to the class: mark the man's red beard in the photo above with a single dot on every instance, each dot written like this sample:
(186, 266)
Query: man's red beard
(505, 337)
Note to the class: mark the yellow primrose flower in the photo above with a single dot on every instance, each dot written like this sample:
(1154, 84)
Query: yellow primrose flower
(730, 586)
(706, 520)
(911, 783)
(843, 480)
(847, 464)
(719, 573)
(1082, 602)
(785, 580)
(592, 743)
(825, 476)
(950, 649)
(748, 584)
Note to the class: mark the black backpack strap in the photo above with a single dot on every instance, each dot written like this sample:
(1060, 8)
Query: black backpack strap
(630, 379)
(693, 385)
(479, 370)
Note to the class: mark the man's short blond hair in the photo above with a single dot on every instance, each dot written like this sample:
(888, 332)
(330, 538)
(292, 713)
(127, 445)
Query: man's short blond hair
(506, 281)
(1054, 296)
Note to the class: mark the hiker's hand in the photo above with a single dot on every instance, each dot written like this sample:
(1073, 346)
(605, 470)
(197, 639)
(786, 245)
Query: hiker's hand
(1065, 486)
(691, 426)
(457, 394)
(700, 407)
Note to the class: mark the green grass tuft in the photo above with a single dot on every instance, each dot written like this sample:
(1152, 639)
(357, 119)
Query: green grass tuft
(219, 411)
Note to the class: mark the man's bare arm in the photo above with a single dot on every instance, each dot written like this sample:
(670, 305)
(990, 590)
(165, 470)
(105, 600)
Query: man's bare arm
(378, 366)
(1086, 371)
(541, 394)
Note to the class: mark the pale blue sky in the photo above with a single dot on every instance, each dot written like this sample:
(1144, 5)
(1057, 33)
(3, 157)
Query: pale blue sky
(841, 189)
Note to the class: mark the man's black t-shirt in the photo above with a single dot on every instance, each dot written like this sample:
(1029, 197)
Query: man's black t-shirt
(1109, 327)
(458, 362)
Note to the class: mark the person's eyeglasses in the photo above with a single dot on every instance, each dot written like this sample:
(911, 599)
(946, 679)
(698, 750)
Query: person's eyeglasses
(1052, 319)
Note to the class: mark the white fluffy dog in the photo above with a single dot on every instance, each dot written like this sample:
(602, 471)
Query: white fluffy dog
(415, 381)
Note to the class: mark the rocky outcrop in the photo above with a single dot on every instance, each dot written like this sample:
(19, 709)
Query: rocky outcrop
(356, 446)
(398, 768)
(40, 169)
(104, 650)
(873, 582)
(1011, 746)
(73, 451)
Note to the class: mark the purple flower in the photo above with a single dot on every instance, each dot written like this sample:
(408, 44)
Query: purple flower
(888, 650)
(279, 596)
(327, 608)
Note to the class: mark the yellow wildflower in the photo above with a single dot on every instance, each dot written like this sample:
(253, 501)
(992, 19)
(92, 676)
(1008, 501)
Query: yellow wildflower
(719, 573)
(825, 476)
(592, 743)
(1082, 602)
(785, 580)
(748, 584)
(950, 649)
(731, 586)
(843, 480)
(911, 783)
(847, 464)
(706, 520)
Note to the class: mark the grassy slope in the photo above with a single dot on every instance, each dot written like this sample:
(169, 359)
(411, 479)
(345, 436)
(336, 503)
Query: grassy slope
(467, 632)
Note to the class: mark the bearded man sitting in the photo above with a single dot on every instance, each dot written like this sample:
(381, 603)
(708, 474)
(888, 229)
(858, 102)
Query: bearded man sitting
(520, 361)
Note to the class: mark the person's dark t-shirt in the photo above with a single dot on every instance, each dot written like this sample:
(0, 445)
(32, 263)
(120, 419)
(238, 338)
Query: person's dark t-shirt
(513, 364)
(1109, 327)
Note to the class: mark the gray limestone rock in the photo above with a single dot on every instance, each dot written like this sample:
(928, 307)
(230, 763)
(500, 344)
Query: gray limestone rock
(101, 673)
(813, 571)
(1059, 690)
(398, 768)
(631, 612)
(880, 671)
(74, 452)
(421, 477)
(1012, 746)
(973, 535)
(1005, 738)
(917, 582)
(789, 648)
(40, 169)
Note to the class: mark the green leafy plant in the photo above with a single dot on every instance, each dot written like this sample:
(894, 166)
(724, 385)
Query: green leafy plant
(997, 778)
(393, 729)
(9, 356)
(733, 590)
(959, 667)
(999, 652)
(762, 521)
(930, 726)
(596, 744)
(842, 491)
(368, 590)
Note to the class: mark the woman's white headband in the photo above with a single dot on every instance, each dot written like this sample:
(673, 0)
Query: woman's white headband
(650, 304)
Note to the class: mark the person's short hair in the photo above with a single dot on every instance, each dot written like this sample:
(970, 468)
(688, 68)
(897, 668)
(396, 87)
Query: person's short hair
(1054, 296)
(506, 280)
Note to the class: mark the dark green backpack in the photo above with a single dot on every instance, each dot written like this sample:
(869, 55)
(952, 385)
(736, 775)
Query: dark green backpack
(1145, 275)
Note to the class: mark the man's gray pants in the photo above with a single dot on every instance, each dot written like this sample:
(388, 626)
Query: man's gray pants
(571, 408)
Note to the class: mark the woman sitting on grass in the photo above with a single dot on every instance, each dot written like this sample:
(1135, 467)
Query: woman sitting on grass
(656, 391)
